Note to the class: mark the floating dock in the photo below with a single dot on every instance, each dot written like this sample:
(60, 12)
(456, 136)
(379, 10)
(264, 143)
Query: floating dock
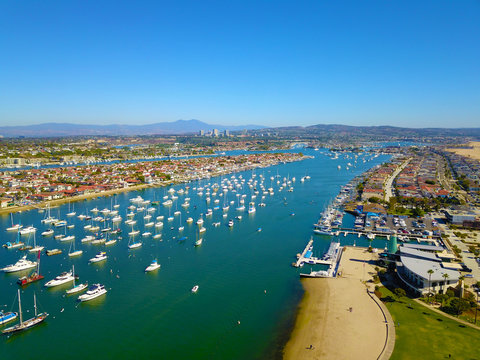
(331, 258)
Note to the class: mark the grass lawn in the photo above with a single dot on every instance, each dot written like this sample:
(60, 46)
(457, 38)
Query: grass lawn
(424, 334)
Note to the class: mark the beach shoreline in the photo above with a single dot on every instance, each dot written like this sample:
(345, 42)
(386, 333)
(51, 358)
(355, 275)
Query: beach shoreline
(337, 318)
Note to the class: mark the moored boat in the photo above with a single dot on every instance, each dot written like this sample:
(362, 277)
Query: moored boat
(27, 324)
(93, 292)
(20, 265)
(153, 266)
(63, 278)
(102, 255)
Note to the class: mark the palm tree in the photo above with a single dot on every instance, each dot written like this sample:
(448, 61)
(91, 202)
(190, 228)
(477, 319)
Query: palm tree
(430, 272)
(445, 276)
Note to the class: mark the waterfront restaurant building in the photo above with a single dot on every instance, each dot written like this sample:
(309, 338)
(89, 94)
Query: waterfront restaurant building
(413, 269)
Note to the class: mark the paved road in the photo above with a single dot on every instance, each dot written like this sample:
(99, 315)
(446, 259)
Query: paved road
(387, 187)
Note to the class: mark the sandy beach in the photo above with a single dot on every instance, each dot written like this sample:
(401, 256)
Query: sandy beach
(325, 321)
(473, 153)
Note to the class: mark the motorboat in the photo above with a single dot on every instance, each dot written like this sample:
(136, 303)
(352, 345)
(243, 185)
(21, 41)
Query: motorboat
(7, 317)
(20, 265)
(153, 266)
(230, 223)
(63, 278)
(102, 255)
(93, 292)
(195, 289)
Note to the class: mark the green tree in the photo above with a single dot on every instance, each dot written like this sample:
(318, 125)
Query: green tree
(399, 292)
(430, 272)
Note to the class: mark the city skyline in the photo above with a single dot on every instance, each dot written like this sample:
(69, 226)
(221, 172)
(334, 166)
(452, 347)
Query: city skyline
(401, 64)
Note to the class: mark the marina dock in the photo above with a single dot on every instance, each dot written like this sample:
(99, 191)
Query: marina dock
(330, 258)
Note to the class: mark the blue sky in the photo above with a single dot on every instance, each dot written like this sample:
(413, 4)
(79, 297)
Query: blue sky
(274, 63)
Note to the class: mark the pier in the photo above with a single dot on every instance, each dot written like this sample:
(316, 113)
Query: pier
(360, 232)
(305, 254)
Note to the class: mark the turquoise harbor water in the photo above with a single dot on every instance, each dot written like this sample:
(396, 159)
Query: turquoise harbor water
(248, 291)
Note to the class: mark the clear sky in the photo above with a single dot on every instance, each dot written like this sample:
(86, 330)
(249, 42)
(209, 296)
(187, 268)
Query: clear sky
(274, 63)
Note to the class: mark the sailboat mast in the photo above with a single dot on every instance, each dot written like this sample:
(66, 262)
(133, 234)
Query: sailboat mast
(73, 273)
(38, 263)
(35, 303)
(20, 307)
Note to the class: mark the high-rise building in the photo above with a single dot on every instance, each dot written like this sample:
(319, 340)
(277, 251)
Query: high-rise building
(226, 133)
(202, 132)
(215, 132)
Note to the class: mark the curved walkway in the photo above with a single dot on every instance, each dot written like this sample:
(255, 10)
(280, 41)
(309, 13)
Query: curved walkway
(389, 345)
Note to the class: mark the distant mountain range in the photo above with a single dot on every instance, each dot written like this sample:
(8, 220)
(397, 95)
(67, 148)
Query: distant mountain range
(162, 128)
(378, 132)
(181, 127)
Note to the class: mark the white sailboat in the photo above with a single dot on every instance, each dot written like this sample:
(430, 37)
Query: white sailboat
(76, 288)
(27, 324)
(35, 246)
(14, 227)
(74, 252)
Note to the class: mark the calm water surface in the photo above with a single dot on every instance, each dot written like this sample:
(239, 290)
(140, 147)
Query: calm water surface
(248, 290)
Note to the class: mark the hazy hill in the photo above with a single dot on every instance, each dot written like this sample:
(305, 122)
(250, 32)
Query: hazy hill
(66, 129)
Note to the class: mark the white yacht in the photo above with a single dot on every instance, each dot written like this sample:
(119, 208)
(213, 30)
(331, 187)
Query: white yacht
(22, 264)
(99, 257)
(153, 266)
(93, 292)
(60, 279)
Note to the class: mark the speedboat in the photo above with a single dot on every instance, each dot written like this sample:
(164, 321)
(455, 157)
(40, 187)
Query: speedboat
(153, 266)
(230, 223)
(93, 292)
(195, 289)
(102, 255)
(60, 279)
(7, 317)
(22, 264)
